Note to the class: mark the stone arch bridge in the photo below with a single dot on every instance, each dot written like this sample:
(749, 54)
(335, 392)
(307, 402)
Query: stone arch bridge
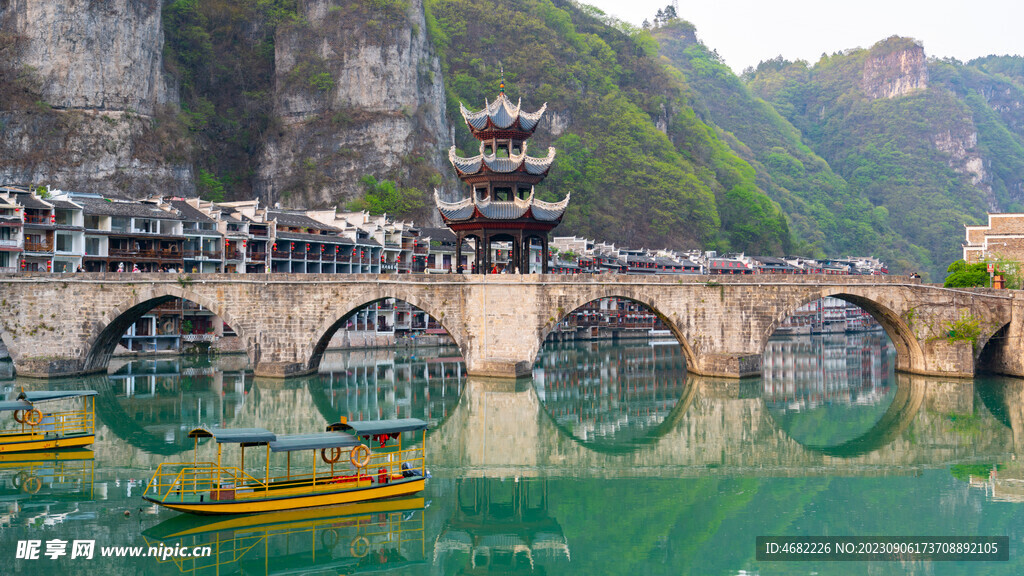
(69, 324)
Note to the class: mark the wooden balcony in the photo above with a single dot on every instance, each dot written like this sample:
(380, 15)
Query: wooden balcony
(38, 219)
(258, 256)
(38, 246)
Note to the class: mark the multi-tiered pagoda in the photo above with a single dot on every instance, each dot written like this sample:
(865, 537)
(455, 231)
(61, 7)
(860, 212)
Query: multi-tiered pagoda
(502, 206)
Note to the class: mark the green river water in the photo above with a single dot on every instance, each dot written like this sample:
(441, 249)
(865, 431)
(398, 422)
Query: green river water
(610, 460)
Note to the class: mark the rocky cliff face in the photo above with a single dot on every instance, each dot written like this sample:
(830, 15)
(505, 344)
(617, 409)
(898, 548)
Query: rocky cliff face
(358, 92)
(85, 79)
(891, 71)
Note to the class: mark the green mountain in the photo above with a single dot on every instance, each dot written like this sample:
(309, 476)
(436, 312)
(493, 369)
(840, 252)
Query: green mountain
(827, 216)
(642, 167)
(936, 144)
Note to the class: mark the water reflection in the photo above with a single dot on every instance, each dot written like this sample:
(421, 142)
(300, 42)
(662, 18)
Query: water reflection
(354, 538)
(611, 460)
(611, 397)
(45, 488)
(501, 528)
(835, 392)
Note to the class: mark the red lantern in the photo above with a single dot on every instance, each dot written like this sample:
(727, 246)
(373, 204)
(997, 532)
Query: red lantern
(307, 246)
(22, 264)
(293, 246)
(49, 265)
(53, 219)
(275, 246)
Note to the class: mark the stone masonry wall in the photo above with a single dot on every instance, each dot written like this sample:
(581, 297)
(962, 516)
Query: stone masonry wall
(55, 325)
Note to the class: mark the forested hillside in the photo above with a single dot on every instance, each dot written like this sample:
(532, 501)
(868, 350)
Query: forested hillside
(870, 151)
(643, 168)
(935, 143)
(826, 215)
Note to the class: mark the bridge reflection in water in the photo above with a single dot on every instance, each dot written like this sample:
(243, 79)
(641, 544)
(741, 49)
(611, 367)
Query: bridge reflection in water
(609, 448)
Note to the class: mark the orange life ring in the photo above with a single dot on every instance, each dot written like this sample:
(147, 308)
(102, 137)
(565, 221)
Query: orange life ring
(33, 417)
(360, 546)
(335, 454)
(19, 416)
(31, 485)
(359, 456)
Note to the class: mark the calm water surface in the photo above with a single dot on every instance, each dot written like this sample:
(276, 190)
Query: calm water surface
(611, 460)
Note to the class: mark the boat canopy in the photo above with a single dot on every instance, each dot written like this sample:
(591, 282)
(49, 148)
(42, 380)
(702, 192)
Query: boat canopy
(243, 436)
(377, 427)
(313, 441)
(45, 395)
(8, 405)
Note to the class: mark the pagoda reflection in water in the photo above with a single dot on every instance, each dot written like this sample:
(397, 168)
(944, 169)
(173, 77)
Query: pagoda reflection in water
(501, 526)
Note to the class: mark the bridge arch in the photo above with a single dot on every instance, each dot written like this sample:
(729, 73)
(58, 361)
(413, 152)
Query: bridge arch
(910, 392)
(909, 356)
(108, 330)
(564, 309)
(992, 349)
(329, 327)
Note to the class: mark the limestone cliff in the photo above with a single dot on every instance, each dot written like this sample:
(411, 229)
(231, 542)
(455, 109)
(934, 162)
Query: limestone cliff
(894, 67)
(83, 82)
(358, 92)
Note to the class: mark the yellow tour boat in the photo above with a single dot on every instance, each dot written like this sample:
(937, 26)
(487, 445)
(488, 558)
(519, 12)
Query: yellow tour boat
(47, 430)
(394, 467)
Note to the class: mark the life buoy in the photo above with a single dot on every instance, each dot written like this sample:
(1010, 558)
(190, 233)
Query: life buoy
(33, 417)
(359, 547)
(359, 456)
(31, 485)
(329, 537)
(334, 454)
(19, 416)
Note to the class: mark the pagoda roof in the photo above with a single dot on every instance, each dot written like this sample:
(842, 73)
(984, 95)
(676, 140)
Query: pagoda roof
(469, 166)
(514, 209)
(502, 114)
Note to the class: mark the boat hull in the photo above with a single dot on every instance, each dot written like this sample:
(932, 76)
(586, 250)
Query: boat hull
(292, 502)
(31, 442)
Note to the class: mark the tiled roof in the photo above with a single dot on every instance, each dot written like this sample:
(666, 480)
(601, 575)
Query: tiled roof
(190, 213)
(298, 220)
(64, 205)
(442, 235)
(29, 201)
(501, 210)
(502, 114)
(473, 165)
(106, 207)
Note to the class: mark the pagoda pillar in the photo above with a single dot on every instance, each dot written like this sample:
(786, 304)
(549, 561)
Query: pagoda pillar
(458, 252)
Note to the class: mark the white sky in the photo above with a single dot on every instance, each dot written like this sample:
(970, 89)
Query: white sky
(747, 31)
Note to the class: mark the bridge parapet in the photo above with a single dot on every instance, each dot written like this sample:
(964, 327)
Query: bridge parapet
(57, 325)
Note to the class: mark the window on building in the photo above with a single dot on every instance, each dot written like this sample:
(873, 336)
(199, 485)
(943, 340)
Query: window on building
(92, 247)
(64, 243)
